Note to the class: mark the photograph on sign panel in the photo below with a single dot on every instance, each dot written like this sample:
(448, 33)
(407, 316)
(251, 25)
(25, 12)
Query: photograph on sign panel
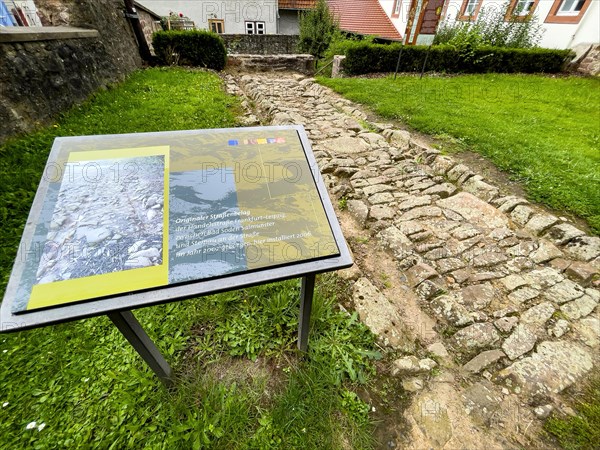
(108, 217)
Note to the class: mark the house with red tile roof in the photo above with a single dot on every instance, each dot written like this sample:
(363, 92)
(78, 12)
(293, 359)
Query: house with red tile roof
(366, 17)
(289, 14)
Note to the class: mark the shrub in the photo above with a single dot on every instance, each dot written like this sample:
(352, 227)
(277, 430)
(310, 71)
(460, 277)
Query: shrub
(366, 58)
(317, 28)
(192, 48)
(492, 29)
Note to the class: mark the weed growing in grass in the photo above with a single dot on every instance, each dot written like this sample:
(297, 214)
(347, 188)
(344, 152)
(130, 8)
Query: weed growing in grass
(581, 431)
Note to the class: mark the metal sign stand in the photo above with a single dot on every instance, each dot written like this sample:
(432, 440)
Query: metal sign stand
(133, 331)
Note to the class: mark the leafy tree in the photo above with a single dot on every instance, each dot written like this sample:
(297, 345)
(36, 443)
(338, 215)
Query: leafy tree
(317, 28)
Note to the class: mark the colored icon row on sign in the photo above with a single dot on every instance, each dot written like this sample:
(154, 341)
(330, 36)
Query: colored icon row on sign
(279, 140)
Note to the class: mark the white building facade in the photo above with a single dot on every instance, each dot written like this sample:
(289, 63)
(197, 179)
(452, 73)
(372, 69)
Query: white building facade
(228, 17)
(566, 23)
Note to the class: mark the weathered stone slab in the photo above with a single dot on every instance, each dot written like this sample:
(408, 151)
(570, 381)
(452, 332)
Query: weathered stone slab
(381, 198)
(539, 314)
(513, 282)
(523, 295)
(519, 342)
(563, 233)
(540, 223)
(447, 307)
(476, 186)
(476, 211)
(381, 212)
(345, 145)
(581, 307)
(545, 252)
(483, 360)
(380, 315)
(414, 202)
(585, 248)
(359, 211)
(552, 368)
(432, 419)
(419, 273)
(421, 212)
(506, 324)
(478, 296)
(564, 292)
(482, 400)
(581, 271)
(376, 189)
(478, 335)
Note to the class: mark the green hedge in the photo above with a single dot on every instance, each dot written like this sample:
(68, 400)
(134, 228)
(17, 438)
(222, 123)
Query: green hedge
(191, 48)
(367, 58)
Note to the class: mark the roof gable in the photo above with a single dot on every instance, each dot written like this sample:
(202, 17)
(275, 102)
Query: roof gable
(364, 17)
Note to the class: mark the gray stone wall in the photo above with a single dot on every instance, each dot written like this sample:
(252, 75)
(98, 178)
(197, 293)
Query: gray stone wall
(39, 79)
(260, 44)
(272, 63)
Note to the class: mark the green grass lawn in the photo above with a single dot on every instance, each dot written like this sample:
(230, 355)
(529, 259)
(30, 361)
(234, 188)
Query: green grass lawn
(544, 131)
(240, 382)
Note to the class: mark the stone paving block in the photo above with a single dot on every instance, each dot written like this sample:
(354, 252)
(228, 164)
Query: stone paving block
(483, 361)
(545, 252)
(563, 233)
(507, 204)
(513, 282)
(579, 308)
(381, 198)
(448, 307)
(521, 214)
(446, 265)
(540, 223)
(478, 335)
(376, 189)
(552, 368)
(358, 210)
(478, 296)
(421, 272)
(476, 186)
(381, 212)
(482, 400)
(444, 190)
(414, 202)
(539, 314)
(523, 295)
(585, 248)
(581, 272)
(521, 341)
(475, 210)
(563, 292)
(506, 324)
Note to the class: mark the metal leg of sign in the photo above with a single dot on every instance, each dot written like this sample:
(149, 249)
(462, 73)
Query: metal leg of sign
(129, 326)
(306, 297)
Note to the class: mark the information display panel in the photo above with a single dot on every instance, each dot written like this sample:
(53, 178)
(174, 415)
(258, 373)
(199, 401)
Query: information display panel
(123, 221)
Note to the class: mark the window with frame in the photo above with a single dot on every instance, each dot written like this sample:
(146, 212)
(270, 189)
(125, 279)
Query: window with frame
(216, 25)
(469, 9)
(255, 27)
(567, 11)
(523, 7)
(396, 8)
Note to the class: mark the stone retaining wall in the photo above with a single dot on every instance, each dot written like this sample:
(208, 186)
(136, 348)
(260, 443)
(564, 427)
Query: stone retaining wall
(272, 63)
(43, 77)
(261, 44)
